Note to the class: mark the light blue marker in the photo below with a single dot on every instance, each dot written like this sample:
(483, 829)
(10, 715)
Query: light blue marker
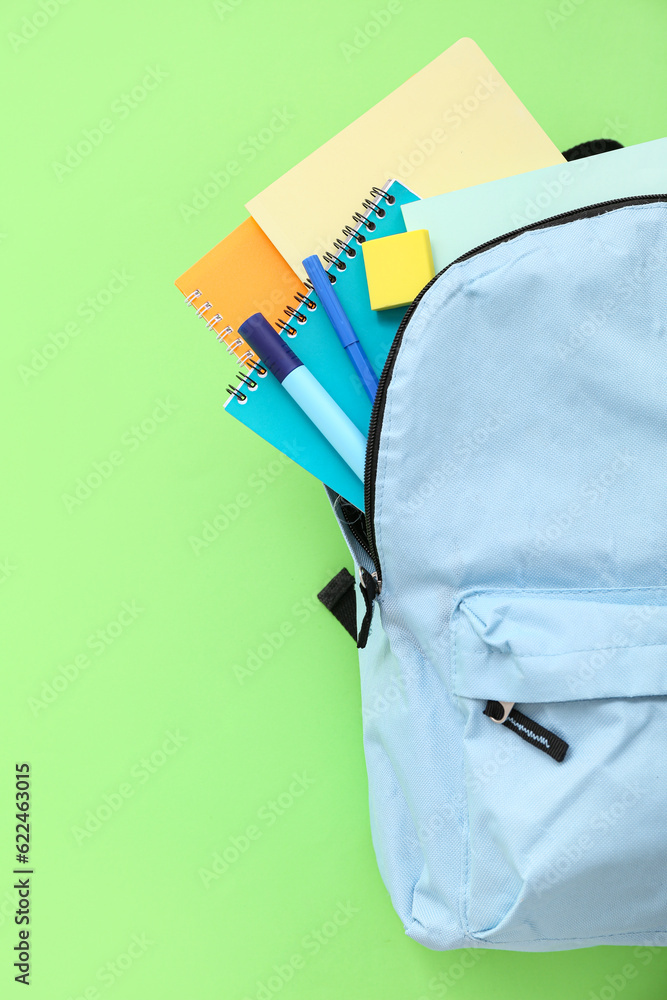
(341, 324)
(305, 390)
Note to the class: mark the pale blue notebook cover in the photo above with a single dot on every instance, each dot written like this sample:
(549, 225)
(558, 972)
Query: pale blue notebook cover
(274, 415)
(459, 221)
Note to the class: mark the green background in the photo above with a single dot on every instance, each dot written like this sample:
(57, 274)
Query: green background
(90, 690)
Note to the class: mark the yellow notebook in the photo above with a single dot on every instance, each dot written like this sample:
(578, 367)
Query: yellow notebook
(453, 124)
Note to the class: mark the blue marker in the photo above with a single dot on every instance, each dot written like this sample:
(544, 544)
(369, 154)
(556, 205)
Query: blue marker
(341, 324)
(304, 388)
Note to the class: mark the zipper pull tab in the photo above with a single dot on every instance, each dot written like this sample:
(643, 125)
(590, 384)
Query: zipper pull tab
(505, 713)
(370, 588)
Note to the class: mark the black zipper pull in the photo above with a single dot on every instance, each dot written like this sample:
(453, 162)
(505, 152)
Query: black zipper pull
(527, 729)
(370, 588)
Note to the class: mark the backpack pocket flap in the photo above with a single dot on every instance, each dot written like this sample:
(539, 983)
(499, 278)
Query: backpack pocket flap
(560, 645)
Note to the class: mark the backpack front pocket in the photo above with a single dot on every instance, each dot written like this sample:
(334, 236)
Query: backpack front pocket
(575, 850)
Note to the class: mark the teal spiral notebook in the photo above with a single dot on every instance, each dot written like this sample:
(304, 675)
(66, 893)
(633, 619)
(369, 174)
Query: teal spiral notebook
(264, 406)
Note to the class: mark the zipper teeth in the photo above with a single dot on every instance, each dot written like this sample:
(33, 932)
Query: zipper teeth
(360, 540)
(378, 403)
(363, 541)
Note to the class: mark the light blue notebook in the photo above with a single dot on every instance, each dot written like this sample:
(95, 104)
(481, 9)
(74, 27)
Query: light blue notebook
(271, 413)
(462, 220)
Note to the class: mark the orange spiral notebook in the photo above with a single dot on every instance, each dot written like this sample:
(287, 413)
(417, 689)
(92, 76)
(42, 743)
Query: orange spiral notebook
(243, 274)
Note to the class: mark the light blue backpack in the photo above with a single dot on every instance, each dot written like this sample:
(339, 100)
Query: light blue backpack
(513, 607)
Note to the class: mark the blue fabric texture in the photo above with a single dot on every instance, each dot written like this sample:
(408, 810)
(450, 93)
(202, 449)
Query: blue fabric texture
(521, 526)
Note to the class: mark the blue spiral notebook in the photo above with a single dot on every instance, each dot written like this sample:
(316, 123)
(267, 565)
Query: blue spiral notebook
(262, 404)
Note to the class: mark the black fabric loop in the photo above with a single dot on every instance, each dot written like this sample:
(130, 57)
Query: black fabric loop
(591, 148)
(339, 597)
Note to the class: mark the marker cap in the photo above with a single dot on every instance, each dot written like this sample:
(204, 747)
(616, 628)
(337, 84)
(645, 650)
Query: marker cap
(278, 357)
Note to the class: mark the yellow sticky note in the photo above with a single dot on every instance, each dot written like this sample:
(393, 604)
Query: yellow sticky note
(397, 267)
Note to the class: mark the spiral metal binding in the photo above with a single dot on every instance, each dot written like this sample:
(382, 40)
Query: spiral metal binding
(372, 209)
(245, 380)
(286, 328)
(353, 234)
(233, 391)
(291, 311)
(250, 382)
(307, 302)
(213, 320)
(371, 206)
(248, 358)
(377, 192)
(334, 261)
(363, 220)
(346, 247)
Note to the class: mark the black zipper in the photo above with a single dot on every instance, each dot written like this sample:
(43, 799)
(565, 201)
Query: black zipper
(351, 521)
(373, 446)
